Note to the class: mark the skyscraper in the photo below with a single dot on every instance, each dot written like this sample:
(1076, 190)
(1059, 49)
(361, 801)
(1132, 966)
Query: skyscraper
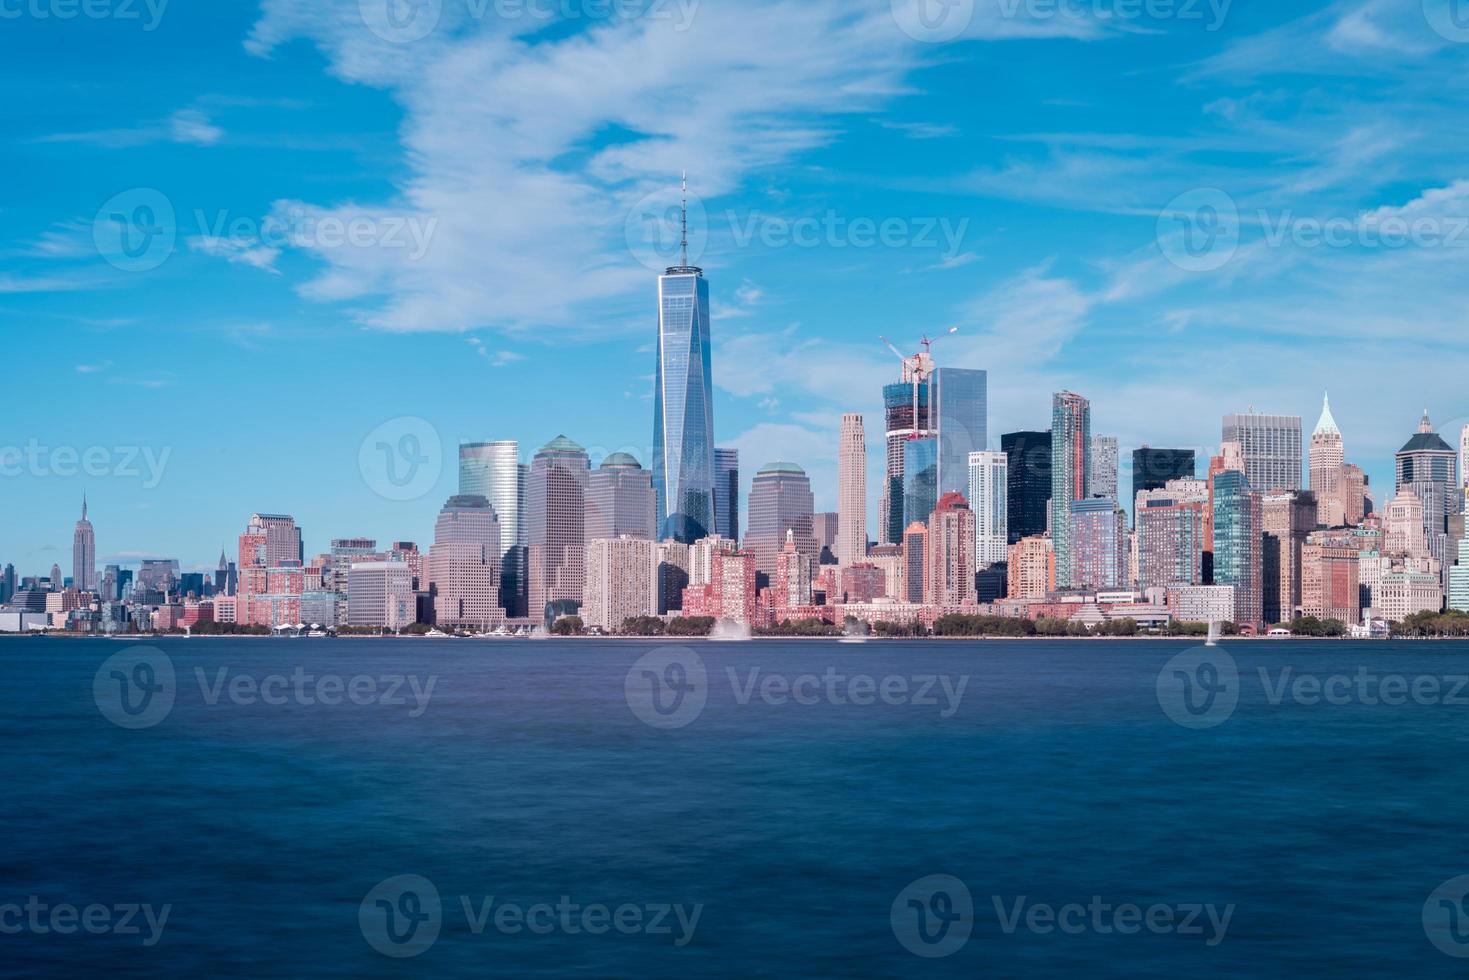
(622, 581)
(727, 493)
(989, 499)
(1071, 438)
(1102, 479)
(915, 561)
(1170, 534)
(1271, 447)
(1153, 468)
(1326, 457)
(1028, 455)
(380, 593)
(1099, 550)
(960, 412)
(84, 554)
(852, 491)
(1464, 460)
(683, 404)
(949, 577)
(1288, 516)
(920, 478)
(493, 470)
(556, 504)
(780, 502)
(1238, 536)
(620, 501)
(907, 416)
(462, 564)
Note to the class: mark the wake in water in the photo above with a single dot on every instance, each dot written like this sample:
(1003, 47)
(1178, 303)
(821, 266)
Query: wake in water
(729, 630)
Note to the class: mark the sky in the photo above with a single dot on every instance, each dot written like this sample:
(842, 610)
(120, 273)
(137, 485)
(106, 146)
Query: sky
(285, 255)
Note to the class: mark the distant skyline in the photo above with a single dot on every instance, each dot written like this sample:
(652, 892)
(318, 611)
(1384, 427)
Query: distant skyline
(1010, 181)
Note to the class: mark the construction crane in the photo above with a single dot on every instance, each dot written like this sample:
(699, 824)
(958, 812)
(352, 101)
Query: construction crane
(919, 366)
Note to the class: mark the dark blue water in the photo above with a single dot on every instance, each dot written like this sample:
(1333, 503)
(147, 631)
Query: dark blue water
(792, 827)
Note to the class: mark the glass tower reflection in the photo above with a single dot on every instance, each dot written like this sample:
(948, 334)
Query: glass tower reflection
(683, 408)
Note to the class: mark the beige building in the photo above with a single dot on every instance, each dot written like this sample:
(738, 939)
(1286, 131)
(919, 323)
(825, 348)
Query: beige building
(380, 593)
(851, 543)
(622, 581)
(1032, 572)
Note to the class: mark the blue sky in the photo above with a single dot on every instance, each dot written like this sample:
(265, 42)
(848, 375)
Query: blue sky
(332, 222)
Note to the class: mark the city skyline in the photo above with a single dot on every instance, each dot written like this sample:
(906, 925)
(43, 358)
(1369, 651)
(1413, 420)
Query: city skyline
(1038, 222)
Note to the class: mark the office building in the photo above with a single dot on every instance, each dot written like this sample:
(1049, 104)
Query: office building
(907, 416)
(780, 502)
(1270, 446)
(1071, 438)
(949, 573)
(989, 499)
(851, 545)
(1330, 578)
(493, 470)
(683, 406)
(672, 558)
(1104, 463)
(790, 585)
(556, 505)
(1238, 545)
(1028, 456)
(1152, 469)
(1032, 571)
(1170, 534)
(380, 593)
(1099, 544)
(1326, 459)
(915, 561)
(84, 554)
(727, 493)
(620, 500)
(1287, 517)
(463, 570)
(960, 412)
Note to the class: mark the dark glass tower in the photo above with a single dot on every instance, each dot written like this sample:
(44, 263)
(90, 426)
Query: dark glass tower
(1029, 458)
(1153, 468)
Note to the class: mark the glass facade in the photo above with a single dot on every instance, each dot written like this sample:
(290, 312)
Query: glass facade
(1071, 450)
(960, 399)
(493, 470)
(1271, 445)
(620, 500)
(920, 479)
(1029, 458)
(683, 408)
(780, 502)
(1239, 545)
(902, 422)
(727, 493)
(1153, 468)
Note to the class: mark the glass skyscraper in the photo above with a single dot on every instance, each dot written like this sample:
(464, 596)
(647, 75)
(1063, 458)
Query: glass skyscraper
(906, 414)
(493, 470)
(1071, 450)
(1029, 457)
(960, 400)
(1239, 544)
(920, 479)
(1153, 468)
(727, 493)
(683, 407)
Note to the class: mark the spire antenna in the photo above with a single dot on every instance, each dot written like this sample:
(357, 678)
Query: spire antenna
(683, 245)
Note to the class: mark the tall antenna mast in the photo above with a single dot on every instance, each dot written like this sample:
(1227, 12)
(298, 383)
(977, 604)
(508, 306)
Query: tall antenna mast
(683, 245)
